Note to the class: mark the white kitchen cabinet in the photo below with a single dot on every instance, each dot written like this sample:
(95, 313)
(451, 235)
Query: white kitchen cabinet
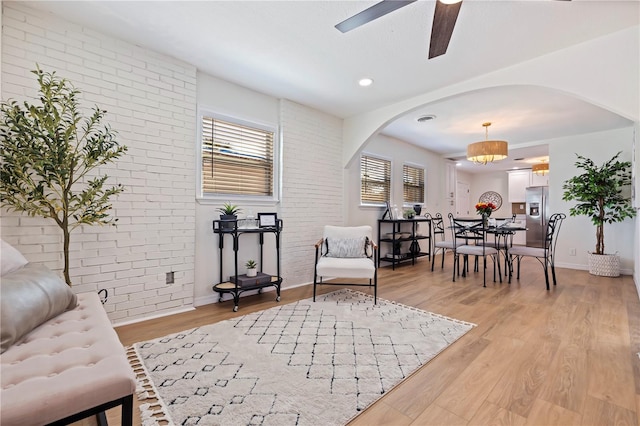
(519, 181)
(537, 180)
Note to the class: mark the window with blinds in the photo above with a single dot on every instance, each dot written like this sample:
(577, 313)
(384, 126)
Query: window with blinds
(237, 159)
(412, 184)
(375, 180)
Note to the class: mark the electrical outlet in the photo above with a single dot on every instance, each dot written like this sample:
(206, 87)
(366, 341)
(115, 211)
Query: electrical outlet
(170, 278)
(572, 252)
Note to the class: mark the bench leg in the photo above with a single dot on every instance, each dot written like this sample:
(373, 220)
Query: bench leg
(101, 418)
(127, 411)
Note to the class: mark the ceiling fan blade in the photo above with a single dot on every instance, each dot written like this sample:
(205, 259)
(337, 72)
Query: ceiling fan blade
(374, 12)
(444, 20)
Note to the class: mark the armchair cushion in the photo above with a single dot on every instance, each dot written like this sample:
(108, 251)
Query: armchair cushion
(345, 267)
(527, 251)
(347, 247)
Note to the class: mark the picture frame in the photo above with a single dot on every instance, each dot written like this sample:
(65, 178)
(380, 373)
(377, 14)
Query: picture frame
(267, 220)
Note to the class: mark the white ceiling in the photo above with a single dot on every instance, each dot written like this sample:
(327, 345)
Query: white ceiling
(290, 49)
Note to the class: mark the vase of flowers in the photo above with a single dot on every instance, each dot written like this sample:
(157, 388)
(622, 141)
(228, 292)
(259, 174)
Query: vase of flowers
(485, 210)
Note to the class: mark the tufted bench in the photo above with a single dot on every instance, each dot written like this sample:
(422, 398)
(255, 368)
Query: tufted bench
(68, 368)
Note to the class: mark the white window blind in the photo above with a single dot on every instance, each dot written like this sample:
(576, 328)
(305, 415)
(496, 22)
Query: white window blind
(237, 159)
(413, 184)
(375, 180)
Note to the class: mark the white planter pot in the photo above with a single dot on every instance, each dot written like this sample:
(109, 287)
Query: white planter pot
(604, 265)
(252, 272)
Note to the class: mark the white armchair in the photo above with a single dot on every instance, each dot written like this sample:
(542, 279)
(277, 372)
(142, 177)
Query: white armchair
(346, 252)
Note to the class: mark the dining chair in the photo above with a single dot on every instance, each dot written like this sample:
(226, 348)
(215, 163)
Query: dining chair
(440, 243)
(469, 235)
(546, 254)
(501, 240)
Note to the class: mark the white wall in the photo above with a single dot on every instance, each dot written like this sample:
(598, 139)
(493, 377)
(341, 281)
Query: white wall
(312, 187)
(150, 99)
(572, 70)
(578, 231)
(496, 181)
(398, 152)
(229, 99)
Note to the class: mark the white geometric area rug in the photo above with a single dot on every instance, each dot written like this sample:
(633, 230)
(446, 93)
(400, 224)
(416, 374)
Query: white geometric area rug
(302, 363)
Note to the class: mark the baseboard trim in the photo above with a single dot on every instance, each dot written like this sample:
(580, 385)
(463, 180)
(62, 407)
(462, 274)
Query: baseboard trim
(163, 314)
(623, 271)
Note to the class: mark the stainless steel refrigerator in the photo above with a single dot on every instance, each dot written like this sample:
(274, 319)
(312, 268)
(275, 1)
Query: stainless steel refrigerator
(537, 212)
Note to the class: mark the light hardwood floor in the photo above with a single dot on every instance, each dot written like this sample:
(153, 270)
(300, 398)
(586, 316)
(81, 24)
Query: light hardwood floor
(560, 357)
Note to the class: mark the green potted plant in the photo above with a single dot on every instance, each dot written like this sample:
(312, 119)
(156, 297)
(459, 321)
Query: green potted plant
(409, 213)
(600, 196)
(228, 215)
(48, 157)
(251, 266)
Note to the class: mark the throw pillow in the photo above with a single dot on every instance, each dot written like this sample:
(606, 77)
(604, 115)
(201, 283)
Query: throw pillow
(29, 297)
(347, 247)
(10, 258)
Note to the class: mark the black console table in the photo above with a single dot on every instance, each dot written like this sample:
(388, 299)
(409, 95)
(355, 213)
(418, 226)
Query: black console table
(237, 284)
(401, 237)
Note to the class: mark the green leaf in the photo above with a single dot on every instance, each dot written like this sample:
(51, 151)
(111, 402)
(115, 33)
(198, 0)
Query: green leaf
(48, 148)
(599, 191)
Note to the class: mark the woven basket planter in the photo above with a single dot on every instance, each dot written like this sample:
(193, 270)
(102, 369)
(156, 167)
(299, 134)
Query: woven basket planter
(604, 265)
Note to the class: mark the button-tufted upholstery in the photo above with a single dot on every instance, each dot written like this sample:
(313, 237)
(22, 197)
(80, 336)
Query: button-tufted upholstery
(71, 363)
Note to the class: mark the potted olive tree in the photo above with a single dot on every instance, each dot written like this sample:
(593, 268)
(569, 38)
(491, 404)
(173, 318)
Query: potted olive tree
(600, 193)
(48, 159)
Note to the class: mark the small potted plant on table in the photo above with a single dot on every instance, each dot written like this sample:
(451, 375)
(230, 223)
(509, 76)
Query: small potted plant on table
(228, 215)
(251, 266)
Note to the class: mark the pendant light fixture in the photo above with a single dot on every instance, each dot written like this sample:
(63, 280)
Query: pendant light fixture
(540, 169)
(487, 151)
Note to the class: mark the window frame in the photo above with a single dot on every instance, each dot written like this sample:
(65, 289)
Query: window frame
(406, 203)
(381, 158)
(215, 199)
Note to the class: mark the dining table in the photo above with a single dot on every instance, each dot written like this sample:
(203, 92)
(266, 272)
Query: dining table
(503, 230)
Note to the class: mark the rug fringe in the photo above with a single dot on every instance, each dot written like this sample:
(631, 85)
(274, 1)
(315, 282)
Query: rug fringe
(154, 412)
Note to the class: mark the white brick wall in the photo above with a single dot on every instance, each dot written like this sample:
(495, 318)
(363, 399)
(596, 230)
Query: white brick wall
(312, 193)
(150, 99)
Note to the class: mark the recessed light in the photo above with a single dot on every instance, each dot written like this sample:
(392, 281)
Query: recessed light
(364, 82)
(425, 118)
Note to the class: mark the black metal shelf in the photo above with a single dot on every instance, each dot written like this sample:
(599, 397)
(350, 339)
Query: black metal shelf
(232, 286)
(397, 242)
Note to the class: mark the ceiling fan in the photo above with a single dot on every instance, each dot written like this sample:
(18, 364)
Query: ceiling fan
(444, 20)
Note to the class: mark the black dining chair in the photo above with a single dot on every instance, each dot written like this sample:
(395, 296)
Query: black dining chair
(502, 238)
(469, 235)
(546, 254)
(440, 243)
